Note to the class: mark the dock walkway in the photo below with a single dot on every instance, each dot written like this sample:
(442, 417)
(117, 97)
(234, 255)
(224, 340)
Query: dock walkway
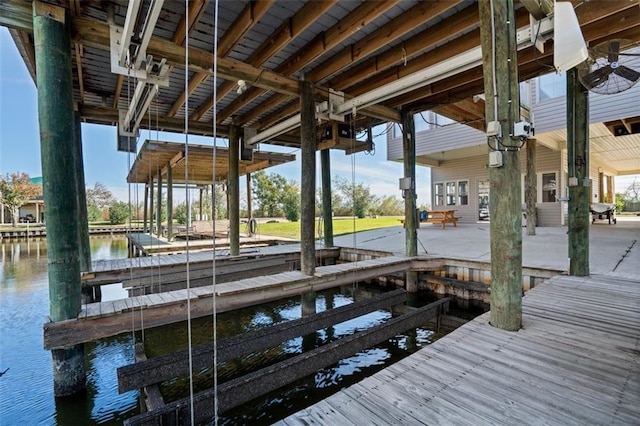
(576, 361)
(103, 319)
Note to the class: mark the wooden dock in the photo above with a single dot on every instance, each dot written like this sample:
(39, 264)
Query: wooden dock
(576, 361)
(104, 319)
(145, 244)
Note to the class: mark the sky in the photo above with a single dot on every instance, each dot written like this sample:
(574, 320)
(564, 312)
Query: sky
(20, 144)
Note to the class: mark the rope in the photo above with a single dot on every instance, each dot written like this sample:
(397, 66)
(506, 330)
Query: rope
(186, 168)
(213, 207)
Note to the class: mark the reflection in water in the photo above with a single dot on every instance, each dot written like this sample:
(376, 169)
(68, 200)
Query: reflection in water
(26, 390)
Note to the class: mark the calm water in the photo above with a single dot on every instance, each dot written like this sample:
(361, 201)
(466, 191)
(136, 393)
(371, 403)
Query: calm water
(26, 389)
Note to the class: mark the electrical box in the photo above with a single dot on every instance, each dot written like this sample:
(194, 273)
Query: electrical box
(405, 183)
(493, 128)
(573, 181)
(522, 129)
(495, 159)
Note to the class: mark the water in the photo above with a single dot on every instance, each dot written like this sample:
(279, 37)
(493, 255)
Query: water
(26, 395)
(26, 389)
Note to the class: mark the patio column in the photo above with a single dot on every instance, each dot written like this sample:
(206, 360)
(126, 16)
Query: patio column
(499, 58)
(151, 205)
(410, 217)
(531, 186)
(159, 204)
(578, 168)
(145, 210)
(169, 202)
(233, 190)
(327, 208)
(51, 33)
(249, 204)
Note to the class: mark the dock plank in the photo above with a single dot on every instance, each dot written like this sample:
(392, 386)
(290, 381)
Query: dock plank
(574, 362)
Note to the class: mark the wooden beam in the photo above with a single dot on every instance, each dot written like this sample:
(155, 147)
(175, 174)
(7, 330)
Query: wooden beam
(104, 115)
(322, 43)
(238, 391)
(196, 10)
(250, 15)
(78, 49)
(383, 36)
(414, 46)
(166, 367)
(288, 31)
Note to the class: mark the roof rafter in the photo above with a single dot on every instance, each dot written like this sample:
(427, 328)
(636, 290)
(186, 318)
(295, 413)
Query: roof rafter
(251, 14)
(283, 35)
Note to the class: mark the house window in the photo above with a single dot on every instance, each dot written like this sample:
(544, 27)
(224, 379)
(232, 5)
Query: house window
(451, 193)
(549, 187)
(420, 121)
(552, 86)
(463, 193)
(438, 194)
(397, 130)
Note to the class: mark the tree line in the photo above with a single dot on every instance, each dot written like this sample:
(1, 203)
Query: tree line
(272, 194)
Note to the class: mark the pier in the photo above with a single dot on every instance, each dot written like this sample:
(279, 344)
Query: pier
(575, 361)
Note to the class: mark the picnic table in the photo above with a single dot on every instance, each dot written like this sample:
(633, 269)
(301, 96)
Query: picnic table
(437, 216)
(443, 217)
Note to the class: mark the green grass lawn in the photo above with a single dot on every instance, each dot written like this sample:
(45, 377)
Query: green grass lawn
(340, 226)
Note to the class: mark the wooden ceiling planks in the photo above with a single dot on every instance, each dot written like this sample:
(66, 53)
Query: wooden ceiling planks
(156, 156)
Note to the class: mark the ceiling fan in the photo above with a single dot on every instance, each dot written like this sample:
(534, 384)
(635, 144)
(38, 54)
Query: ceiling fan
(611, 67)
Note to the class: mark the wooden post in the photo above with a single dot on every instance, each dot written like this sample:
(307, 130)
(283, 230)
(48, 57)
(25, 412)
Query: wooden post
(531, 186)
(249, 204)
(88, 295)
(610, 190)
(327, 208)
(159, 204)
(145, 210)
(307, 184)
(578, 162)
(151, 205)
(233, 190)
(169, 202)
(51, 34)
(410, 217)
(601, 198)
(200, 202)
(499, 60)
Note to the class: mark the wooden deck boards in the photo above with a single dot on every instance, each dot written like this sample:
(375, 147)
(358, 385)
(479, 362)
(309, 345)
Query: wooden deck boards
(96, 322)
(574, 362)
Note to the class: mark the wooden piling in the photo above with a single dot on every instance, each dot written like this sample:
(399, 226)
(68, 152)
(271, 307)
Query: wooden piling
(308, 179)
(169, 202)
(145, 210)
(327, 208)
(499, 58)
(159, 204)
(233, 190)
(51, 33)
(411, 235)
(578, 167)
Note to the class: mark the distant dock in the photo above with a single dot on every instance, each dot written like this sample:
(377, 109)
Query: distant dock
(39, 231)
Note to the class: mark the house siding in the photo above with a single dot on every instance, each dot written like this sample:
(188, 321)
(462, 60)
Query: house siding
(474, 169)
(550, 115)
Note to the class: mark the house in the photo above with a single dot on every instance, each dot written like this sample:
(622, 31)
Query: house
(459, 160)
(32, 211)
